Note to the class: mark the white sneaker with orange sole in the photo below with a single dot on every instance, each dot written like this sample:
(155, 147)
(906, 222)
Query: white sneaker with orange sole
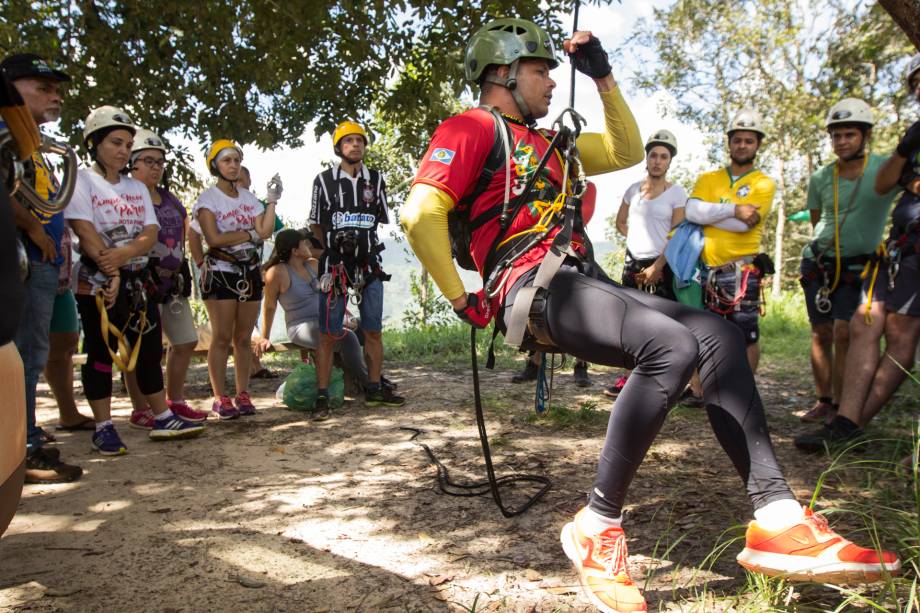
(600, 561)
(811, 551)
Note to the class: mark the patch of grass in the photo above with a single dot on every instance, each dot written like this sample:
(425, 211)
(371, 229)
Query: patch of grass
(439, 346)
(785, 335)
(587, 415)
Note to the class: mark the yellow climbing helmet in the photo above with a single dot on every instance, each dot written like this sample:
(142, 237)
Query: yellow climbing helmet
(218, 146)
(344, 129)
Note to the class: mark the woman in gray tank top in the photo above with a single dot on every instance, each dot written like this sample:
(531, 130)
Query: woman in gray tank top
(290, 278)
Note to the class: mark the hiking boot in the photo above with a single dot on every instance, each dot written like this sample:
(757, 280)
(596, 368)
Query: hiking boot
(600, 561)
(244, 404)
(45, 466)
(387, 384)
(321, 410)
(614, 390)
(224, 409)
(811, 551)
(183, 410)
(382, 397)
(529, 373)
(820, 413)
(837, 435)
(580, 373)
(142, 420)
(174, 427)
(107, 442)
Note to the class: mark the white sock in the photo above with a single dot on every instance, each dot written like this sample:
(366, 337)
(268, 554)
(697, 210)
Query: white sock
(102, 424)
(779, 514)
(592, 522)
(164, 414)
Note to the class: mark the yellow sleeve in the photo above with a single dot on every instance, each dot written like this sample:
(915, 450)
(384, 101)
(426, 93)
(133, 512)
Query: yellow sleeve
(424, 220)
(620, 146)
(763, 197)
(701, 190)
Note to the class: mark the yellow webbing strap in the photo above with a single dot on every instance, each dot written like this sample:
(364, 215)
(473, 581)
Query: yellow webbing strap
(547, 212)
(874, 264)
(125, 361)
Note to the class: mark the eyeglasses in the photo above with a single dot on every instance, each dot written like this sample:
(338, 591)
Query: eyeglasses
(153, 162)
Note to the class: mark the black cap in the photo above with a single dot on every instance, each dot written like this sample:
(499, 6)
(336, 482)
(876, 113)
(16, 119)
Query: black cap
(23, 65)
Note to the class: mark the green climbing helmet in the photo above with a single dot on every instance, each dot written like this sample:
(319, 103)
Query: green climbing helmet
(504, 41)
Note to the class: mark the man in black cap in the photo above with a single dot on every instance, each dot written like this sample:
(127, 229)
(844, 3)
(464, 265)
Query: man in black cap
(39, 85)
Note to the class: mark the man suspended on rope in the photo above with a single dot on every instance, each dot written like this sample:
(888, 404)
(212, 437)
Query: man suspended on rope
(649, 210)
(587, 315)
(113, 217)
(848, 218)
(731, 204)
(349, 203)
(890, 298)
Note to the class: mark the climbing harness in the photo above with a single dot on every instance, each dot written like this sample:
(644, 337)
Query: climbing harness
(247, 268)
(823, 296)
(125, 356)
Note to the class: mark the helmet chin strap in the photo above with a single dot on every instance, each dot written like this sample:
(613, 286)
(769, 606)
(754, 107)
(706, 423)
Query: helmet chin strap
(511, 84)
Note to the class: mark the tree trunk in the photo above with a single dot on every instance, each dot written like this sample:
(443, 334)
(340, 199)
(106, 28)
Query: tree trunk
(906, 13)
(780, 229)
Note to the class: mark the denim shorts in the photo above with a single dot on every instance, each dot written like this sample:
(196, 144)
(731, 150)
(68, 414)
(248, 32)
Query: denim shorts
(332, 310)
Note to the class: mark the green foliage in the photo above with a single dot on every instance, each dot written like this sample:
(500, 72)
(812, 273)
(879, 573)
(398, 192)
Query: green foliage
(444, 346)
(258, 71)
(427, 309)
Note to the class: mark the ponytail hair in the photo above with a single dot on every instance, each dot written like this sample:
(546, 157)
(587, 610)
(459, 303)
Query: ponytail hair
(285, 242)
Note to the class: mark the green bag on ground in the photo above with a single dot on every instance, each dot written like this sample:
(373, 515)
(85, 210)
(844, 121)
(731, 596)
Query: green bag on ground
(299, 392)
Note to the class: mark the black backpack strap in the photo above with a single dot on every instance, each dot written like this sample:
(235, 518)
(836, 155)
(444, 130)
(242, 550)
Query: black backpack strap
(494, 161)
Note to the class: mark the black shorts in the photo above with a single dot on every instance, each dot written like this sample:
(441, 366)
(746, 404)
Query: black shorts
(747, 314)
(844, 299)
(222, 285)
(904, 297)
(633, 266)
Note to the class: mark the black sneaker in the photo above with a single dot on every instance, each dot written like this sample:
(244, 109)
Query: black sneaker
(321, 409)
(383, 397)
(529, 373)
(840, 433)
(44, 466)
(689, 399)
(580, 372)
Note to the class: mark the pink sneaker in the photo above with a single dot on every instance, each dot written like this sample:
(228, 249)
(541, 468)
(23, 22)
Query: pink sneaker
(225, 409)
(142, 420)
(186, 412)
(244, 404)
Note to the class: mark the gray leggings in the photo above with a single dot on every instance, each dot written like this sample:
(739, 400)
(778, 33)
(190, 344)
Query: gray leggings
(306, 334)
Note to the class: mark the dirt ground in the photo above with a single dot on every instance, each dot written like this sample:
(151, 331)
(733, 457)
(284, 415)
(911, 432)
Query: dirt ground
(277, 513)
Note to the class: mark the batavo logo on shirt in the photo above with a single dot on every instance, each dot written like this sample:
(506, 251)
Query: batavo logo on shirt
(353, 220)
(445, 156)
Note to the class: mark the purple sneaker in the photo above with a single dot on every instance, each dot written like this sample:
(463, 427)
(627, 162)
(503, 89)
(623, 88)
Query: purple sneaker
(225, 409)
(107, 442)
(244, 404)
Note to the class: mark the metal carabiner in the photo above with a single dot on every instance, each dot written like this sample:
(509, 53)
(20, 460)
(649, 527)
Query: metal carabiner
(823, 300)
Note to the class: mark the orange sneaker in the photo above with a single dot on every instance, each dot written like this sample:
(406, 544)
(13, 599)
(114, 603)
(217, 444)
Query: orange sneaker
(811, 551)
(600, 560)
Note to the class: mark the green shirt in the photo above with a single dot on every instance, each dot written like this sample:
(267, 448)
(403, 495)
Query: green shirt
(862, 228)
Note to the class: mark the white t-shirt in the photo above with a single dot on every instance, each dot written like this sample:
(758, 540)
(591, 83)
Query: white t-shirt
(649, 221)
(118, 212)
(231, 214)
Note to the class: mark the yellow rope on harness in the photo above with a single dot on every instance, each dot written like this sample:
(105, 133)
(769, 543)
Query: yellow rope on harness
(836, 222)
(546, 210)
(875, 263)
(125, 361)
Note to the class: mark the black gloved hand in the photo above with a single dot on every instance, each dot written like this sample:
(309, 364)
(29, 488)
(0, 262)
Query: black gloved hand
(591, 59)
(910, 142)
(477, 311)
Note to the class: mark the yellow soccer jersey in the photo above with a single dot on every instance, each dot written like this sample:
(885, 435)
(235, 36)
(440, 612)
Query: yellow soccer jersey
(721, 246)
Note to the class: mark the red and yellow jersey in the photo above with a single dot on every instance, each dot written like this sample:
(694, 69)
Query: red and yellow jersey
(455, 159)
(755, 188)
